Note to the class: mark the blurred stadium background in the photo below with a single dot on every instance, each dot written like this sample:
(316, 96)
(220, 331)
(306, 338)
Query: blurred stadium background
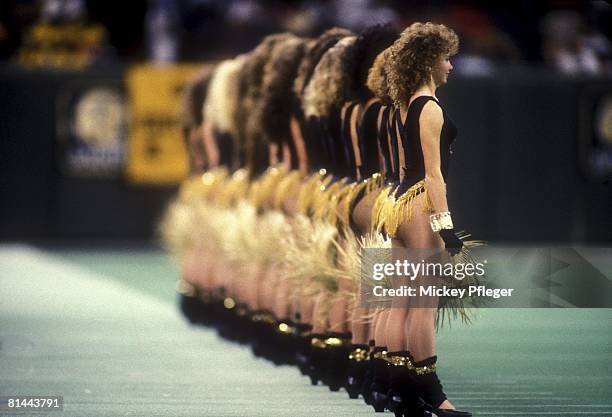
(90, 140)
(91, 151)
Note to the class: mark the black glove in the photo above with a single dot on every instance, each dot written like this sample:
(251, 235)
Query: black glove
(451, 241)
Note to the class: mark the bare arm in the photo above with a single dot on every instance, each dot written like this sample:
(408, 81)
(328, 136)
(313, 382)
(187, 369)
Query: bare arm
(210, 145)
(430, 123)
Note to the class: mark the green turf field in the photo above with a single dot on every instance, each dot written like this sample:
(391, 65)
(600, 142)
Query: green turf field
(101, 328)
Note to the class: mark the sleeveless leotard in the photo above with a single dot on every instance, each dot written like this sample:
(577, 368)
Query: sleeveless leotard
(410, 136)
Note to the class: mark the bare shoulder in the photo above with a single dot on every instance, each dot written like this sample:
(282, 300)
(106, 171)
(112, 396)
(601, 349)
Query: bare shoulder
(431, 116)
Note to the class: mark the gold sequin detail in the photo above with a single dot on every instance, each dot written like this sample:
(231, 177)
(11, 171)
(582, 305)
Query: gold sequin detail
(286, 329)
(318, 343)
(402, 361)
(379, 355)
(359, 355)
(425, 370)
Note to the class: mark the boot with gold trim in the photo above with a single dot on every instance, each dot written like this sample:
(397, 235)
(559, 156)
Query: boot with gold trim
(402, 396)
(429, 390)
(380, 380)
(368, 377)
(302, 347)
(317, 358)
(284, 342)
(357, 367)
(338, 347)
(264, 329)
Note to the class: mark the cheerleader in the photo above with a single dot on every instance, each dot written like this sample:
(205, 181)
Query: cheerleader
(192, 118)
(416, 215)
(361, 128)
(297, 192)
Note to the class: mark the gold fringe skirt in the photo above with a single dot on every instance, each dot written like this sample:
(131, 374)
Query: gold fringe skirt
(390, 211)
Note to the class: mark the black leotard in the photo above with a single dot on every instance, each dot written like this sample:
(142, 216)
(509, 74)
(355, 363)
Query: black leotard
(367, 133)
(409, 131)
(382, 136)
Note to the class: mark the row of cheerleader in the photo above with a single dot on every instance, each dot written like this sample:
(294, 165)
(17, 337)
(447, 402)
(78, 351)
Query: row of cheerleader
(305, 152)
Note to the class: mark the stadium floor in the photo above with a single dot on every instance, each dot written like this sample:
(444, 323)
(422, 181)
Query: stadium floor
(101, 328)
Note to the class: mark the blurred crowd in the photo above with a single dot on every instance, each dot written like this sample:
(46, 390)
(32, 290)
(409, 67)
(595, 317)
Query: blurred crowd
(572, 36)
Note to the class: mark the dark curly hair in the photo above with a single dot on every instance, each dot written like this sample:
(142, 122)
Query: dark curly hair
(369, 44)
(412, 57)
(277, 96)
(251, 146)
(251, 78)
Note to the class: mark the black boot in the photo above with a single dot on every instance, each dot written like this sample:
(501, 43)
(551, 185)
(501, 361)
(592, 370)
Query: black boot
(191, 304)
(380, 384)
(242, 324)
(357, 366)
(285, 342)
(264, 328)
(229, 320)
(429, 389)
(302, 347)
(317, 358)
(402, 397)
(337, 352)
(368, 377)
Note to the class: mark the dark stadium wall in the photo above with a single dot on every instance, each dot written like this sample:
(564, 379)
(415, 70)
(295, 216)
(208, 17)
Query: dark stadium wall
(516, 174)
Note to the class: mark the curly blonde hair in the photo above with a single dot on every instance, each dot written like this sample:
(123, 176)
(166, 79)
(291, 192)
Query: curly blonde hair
(412, 57)
(330, 84)
(222, 102)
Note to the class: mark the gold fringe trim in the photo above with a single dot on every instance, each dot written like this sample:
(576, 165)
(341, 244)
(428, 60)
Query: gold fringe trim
(324, 198)
(335, 194)
(395, 211)
(233, 190)
(370, 185)
(289, 186)
(376, 220)
(352, 193)
(263, 190)
(308, 189)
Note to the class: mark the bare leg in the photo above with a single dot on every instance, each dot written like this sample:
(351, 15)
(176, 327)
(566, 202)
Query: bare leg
(189, 268)
(380, 328)
(252, 275)
(267, 290)
(420, 322)
(320, 323)
(363, 331)
(362, 213)
(360, 328)
(282, 300)
(306, 308)
(338, 312)
(338, 321)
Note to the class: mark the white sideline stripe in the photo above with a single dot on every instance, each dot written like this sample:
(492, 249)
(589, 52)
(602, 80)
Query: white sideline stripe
(549, 405)
(452, 392)
(512, 398)
(543, 413)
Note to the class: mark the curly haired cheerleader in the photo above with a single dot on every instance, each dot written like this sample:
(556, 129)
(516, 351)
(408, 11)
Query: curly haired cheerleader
(361, 127)
(416, 215)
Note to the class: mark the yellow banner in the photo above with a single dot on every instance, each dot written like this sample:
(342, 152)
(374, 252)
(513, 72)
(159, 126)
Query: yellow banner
(156, 152)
